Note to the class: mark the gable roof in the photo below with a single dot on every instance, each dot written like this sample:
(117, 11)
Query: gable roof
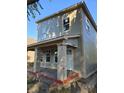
(76, 6)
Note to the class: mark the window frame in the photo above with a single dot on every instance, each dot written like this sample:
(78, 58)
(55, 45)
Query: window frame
(87, 24)
(63, 25)
(46, 56)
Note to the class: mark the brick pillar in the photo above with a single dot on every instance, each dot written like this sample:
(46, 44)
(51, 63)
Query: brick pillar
(62, 61)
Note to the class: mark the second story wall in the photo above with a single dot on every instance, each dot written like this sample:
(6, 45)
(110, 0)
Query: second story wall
(64, 24)
(49, 28)
(89, 45)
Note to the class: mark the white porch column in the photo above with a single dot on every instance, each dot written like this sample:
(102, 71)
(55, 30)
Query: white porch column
(36, 63)
(62, 61)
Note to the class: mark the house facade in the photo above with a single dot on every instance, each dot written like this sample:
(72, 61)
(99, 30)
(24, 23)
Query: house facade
(66, 43)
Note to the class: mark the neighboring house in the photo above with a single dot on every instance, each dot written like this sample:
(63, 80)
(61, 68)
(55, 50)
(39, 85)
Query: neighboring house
(66, 43)
(30, 54)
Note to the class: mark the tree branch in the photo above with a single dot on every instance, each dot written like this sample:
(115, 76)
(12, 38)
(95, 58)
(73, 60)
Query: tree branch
(31, 1)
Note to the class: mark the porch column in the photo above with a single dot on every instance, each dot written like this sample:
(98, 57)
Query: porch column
(36, 63)
(62, 61)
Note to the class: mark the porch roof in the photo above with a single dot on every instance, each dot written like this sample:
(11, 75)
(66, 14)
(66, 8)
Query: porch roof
(52, 41)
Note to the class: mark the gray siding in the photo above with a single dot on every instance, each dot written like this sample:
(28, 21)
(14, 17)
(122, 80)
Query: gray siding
(90, 47)
(78, 58)
(53, 27)
(49, 29)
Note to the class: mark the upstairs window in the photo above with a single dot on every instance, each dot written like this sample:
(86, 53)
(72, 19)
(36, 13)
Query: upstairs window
(87, 24)
(48, 56)
(66, 22)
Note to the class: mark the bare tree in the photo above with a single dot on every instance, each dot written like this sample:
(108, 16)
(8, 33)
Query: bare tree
(33, 7)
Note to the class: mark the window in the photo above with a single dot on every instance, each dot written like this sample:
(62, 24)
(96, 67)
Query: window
(87, 24)
(41, 59)
(69, 51)
(48, 56)
(66, 24)
(56, 58)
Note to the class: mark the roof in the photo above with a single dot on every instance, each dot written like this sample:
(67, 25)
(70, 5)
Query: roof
(73, 7)
(32, 46)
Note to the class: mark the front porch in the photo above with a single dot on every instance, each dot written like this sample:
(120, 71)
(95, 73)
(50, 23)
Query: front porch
(56, 56)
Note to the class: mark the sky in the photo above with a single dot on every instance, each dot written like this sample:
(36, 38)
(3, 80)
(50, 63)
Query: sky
(53, 6)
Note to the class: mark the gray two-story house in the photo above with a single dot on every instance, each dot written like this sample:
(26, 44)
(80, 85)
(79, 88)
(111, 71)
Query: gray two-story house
(66, 43)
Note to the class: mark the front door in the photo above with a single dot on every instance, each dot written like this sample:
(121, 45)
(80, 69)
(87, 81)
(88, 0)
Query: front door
(69, 59)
